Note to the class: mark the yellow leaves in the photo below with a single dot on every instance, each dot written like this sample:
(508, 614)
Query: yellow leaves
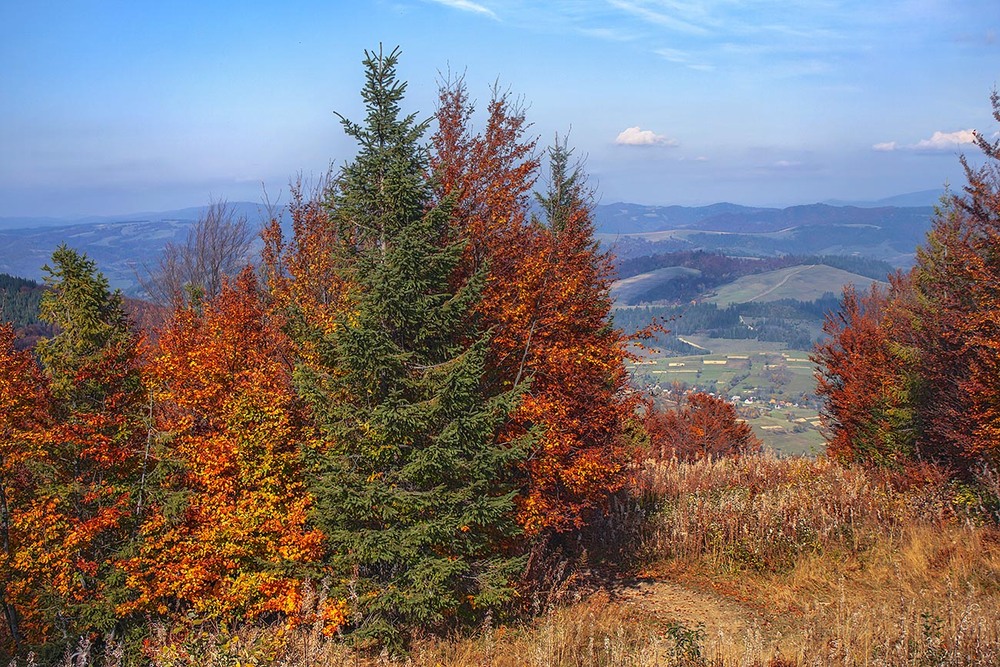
(334, 616)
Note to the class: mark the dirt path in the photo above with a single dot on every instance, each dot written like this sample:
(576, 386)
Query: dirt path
(783, 281)
(729, 626)
(671, 602)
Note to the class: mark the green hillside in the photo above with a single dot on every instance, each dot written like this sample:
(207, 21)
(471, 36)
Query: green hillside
(802, 283)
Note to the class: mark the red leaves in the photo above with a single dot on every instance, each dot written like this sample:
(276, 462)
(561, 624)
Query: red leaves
(700, 426)
(546, 302)
(226, 400)
(912, 374)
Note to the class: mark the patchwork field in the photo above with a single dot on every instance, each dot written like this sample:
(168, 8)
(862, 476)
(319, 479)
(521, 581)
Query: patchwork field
(772, 387)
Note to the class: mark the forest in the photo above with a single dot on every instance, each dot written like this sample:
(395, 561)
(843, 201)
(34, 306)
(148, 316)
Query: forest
(408, 434)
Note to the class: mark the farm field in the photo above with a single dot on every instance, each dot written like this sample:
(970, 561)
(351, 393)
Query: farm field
(771, 386)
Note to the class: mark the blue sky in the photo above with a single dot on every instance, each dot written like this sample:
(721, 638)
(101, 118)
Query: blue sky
(113, 107)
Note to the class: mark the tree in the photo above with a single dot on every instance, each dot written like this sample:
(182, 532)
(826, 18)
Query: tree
(700, 426)
(911, 375)
(307, 285)
(414, 488)
(215, 248)
(958, 329)
(863, 375)
(86, 504)
(575, 357)
(547, 303)
(227, 536)
(23, 417)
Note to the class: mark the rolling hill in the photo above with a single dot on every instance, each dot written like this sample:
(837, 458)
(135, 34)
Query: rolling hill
(890, 233)
(802, 283)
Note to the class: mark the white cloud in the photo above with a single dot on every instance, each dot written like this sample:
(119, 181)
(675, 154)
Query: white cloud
(468, 6)
(658, 18)
(633, 136)
(946, 140)
(939, 141)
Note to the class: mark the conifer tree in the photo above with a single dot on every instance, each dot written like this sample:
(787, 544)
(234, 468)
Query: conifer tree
(414, 487)
(86, 503)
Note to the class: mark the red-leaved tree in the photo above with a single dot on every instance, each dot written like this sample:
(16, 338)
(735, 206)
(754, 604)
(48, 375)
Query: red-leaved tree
(228, 535)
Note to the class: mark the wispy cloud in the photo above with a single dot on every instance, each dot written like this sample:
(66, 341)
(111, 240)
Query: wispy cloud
(468, 6)
(634, 136)
(939, 141)
(683, 58)
(640, 10)
(609, 34)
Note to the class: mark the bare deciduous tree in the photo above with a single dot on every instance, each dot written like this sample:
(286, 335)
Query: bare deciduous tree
(216, 247)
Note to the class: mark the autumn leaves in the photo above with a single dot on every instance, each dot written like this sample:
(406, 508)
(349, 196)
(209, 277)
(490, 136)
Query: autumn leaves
(423, 383)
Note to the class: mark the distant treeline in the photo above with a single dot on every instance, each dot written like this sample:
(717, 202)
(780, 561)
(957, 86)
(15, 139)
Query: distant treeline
(718, 269)
(19, 301)
(795, 323)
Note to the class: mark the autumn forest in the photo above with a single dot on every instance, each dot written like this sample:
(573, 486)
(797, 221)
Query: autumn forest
(411, 423)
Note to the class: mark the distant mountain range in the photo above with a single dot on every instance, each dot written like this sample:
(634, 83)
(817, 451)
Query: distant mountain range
(122, 245)
(889, 233)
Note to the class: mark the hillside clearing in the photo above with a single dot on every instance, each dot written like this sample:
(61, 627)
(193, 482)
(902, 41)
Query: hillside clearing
(804, 283)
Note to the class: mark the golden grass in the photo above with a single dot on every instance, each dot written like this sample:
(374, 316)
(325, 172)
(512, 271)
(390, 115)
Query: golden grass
(847, 569)
(816, 564)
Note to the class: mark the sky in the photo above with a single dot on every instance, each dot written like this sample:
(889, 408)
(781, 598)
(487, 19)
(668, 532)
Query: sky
(123, 106)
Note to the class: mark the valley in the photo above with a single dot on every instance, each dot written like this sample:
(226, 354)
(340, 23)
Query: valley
(742, 311)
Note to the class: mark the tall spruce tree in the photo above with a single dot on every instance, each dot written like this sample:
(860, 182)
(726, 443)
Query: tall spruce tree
(414, 486)
(91, 456)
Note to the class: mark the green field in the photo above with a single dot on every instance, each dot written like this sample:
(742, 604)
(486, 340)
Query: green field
(803, 283)
(772, 387)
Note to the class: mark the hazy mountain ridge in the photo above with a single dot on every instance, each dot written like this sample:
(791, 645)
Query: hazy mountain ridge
(888, 233)
(123, 244)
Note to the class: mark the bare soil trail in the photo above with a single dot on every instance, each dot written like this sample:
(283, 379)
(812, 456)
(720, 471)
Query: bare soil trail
(729, 627)
(783, 281)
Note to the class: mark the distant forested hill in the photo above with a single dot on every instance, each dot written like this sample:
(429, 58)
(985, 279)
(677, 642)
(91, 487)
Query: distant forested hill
(680, 277)
(19, 301)
(888, 233)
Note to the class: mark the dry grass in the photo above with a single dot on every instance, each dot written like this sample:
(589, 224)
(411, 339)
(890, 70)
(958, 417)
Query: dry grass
(822, 565)
(848, 570)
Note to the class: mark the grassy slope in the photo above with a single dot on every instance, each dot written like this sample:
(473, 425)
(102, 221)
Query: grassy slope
(804, 283)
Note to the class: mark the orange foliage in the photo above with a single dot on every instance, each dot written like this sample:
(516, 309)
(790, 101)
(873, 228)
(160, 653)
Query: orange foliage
(230, 530)
(546, 303)
(862, 377)
(302, 275)
(23, 519)
(701, 426)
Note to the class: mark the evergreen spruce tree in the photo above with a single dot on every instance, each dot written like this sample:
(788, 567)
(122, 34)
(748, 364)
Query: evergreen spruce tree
(90, 465)
(414, 487)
